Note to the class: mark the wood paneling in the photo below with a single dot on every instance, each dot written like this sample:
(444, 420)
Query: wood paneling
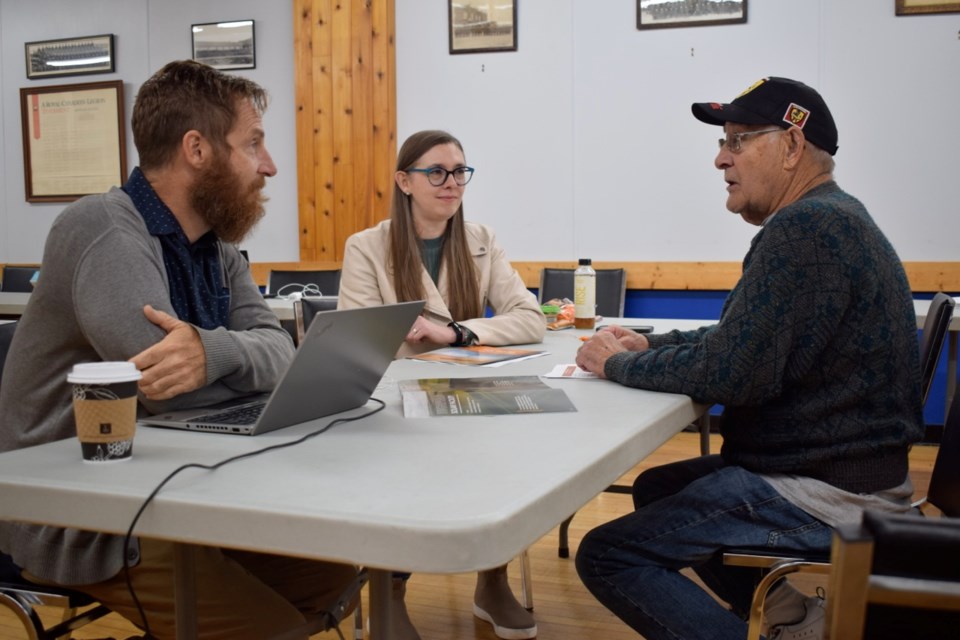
(346, 119)
(925, 277)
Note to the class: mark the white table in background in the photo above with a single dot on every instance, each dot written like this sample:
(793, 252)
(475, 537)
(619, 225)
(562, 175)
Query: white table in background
(438, 495)
(12, 304)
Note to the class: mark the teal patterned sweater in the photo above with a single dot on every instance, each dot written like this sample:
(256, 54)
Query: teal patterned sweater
(815, 357)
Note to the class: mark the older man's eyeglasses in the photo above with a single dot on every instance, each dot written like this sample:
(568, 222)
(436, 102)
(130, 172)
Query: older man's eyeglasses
(734, 141)
(438, 175)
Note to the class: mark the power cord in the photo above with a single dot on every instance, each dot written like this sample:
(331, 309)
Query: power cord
(309, 289)
(196, 465)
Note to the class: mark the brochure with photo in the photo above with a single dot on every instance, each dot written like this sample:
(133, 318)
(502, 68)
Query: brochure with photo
(481, 396)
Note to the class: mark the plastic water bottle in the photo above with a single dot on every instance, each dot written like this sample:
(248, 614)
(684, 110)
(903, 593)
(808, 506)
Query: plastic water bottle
(584, 295)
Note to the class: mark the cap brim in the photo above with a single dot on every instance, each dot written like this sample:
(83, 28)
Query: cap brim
(717, 113)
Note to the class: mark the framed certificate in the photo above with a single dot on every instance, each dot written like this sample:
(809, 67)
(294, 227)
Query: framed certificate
(73, 140)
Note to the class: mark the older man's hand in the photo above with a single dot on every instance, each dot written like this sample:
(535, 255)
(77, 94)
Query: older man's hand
(594, 353)
(630, 339)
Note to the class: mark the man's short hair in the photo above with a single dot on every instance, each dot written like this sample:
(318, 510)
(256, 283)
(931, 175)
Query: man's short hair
(186, 95)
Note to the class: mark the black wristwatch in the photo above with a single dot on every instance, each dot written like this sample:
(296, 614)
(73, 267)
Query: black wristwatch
(465, 337)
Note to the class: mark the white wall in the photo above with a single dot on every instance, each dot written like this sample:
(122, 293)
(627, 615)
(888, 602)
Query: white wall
(583, 140)
(585, 146)
(148, 34)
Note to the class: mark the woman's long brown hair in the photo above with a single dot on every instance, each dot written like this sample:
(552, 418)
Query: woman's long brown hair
(406, 249)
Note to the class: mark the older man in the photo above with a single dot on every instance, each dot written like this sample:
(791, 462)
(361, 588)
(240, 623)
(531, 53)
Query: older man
(149, 273)
(815, 361)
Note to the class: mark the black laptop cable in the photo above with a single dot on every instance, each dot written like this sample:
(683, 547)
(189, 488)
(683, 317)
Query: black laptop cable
(213, 467)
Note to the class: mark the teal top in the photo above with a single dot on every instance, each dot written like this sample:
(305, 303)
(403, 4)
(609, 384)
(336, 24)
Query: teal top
(432, 250)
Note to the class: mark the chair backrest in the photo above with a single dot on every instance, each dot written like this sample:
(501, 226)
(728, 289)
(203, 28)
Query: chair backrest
(17, 279)
(284, 282)
(611, 288)
(931, 340)
(6, 337)
(944, 489)
(894, 577)
(305, 309)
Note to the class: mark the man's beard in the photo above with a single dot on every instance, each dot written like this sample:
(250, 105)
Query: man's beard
(231, 209)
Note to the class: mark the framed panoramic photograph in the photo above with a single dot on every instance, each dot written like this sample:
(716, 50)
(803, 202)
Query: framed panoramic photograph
(69, 56)
(482, 25)
(659, 14)
(73, 140)
(225, 45)
(910, 7)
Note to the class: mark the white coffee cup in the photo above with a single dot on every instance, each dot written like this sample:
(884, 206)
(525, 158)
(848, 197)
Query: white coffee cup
(105, 408)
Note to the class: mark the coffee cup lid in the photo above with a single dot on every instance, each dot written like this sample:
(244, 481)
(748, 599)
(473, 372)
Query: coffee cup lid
(103, 373)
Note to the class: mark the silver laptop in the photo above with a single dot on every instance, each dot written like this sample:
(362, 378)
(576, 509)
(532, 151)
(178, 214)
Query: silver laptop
(339, 363)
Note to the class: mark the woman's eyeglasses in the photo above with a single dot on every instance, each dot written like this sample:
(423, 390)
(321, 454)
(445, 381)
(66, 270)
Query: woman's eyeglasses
(438, 175)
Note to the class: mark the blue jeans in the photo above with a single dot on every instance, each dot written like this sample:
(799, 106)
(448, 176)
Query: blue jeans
(686, 514)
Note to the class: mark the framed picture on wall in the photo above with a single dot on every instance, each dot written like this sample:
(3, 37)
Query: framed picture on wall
(910, 7)
(659, 14)
(482, 25)
(73, 140)
(69, 56)
(225, 45)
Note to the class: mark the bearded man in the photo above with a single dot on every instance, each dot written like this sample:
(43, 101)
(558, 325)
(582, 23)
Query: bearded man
(150, 273)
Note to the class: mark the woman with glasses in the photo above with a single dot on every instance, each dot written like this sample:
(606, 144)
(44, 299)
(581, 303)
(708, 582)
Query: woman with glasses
(427, 251)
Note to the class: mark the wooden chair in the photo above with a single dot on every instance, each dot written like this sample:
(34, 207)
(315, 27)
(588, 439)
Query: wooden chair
(899, 576)
(895, 577)
(611, 289)
(943, 493)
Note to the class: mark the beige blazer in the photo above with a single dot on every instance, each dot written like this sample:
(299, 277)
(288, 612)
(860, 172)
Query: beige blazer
(366, 281)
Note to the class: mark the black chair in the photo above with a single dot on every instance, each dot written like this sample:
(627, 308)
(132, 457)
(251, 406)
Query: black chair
(305, 309)
(309, 283)
(6, 337)
(931, 340)
(17, 279)
(943, 492)
(22, 598)
(611, 288)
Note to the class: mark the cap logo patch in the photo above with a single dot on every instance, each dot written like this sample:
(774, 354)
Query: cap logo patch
(796, 115)
(752, 87)
(716, 106)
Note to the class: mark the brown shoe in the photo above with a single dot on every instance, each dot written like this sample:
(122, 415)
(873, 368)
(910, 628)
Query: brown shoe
(494, 602)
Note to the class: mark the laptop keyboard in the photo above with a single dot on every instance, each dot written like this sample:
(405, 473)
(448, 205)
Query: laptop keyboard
(244, 414)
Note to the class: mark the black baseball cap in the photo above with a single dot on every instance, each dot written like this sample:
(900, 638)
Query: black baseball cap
(779, 101)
